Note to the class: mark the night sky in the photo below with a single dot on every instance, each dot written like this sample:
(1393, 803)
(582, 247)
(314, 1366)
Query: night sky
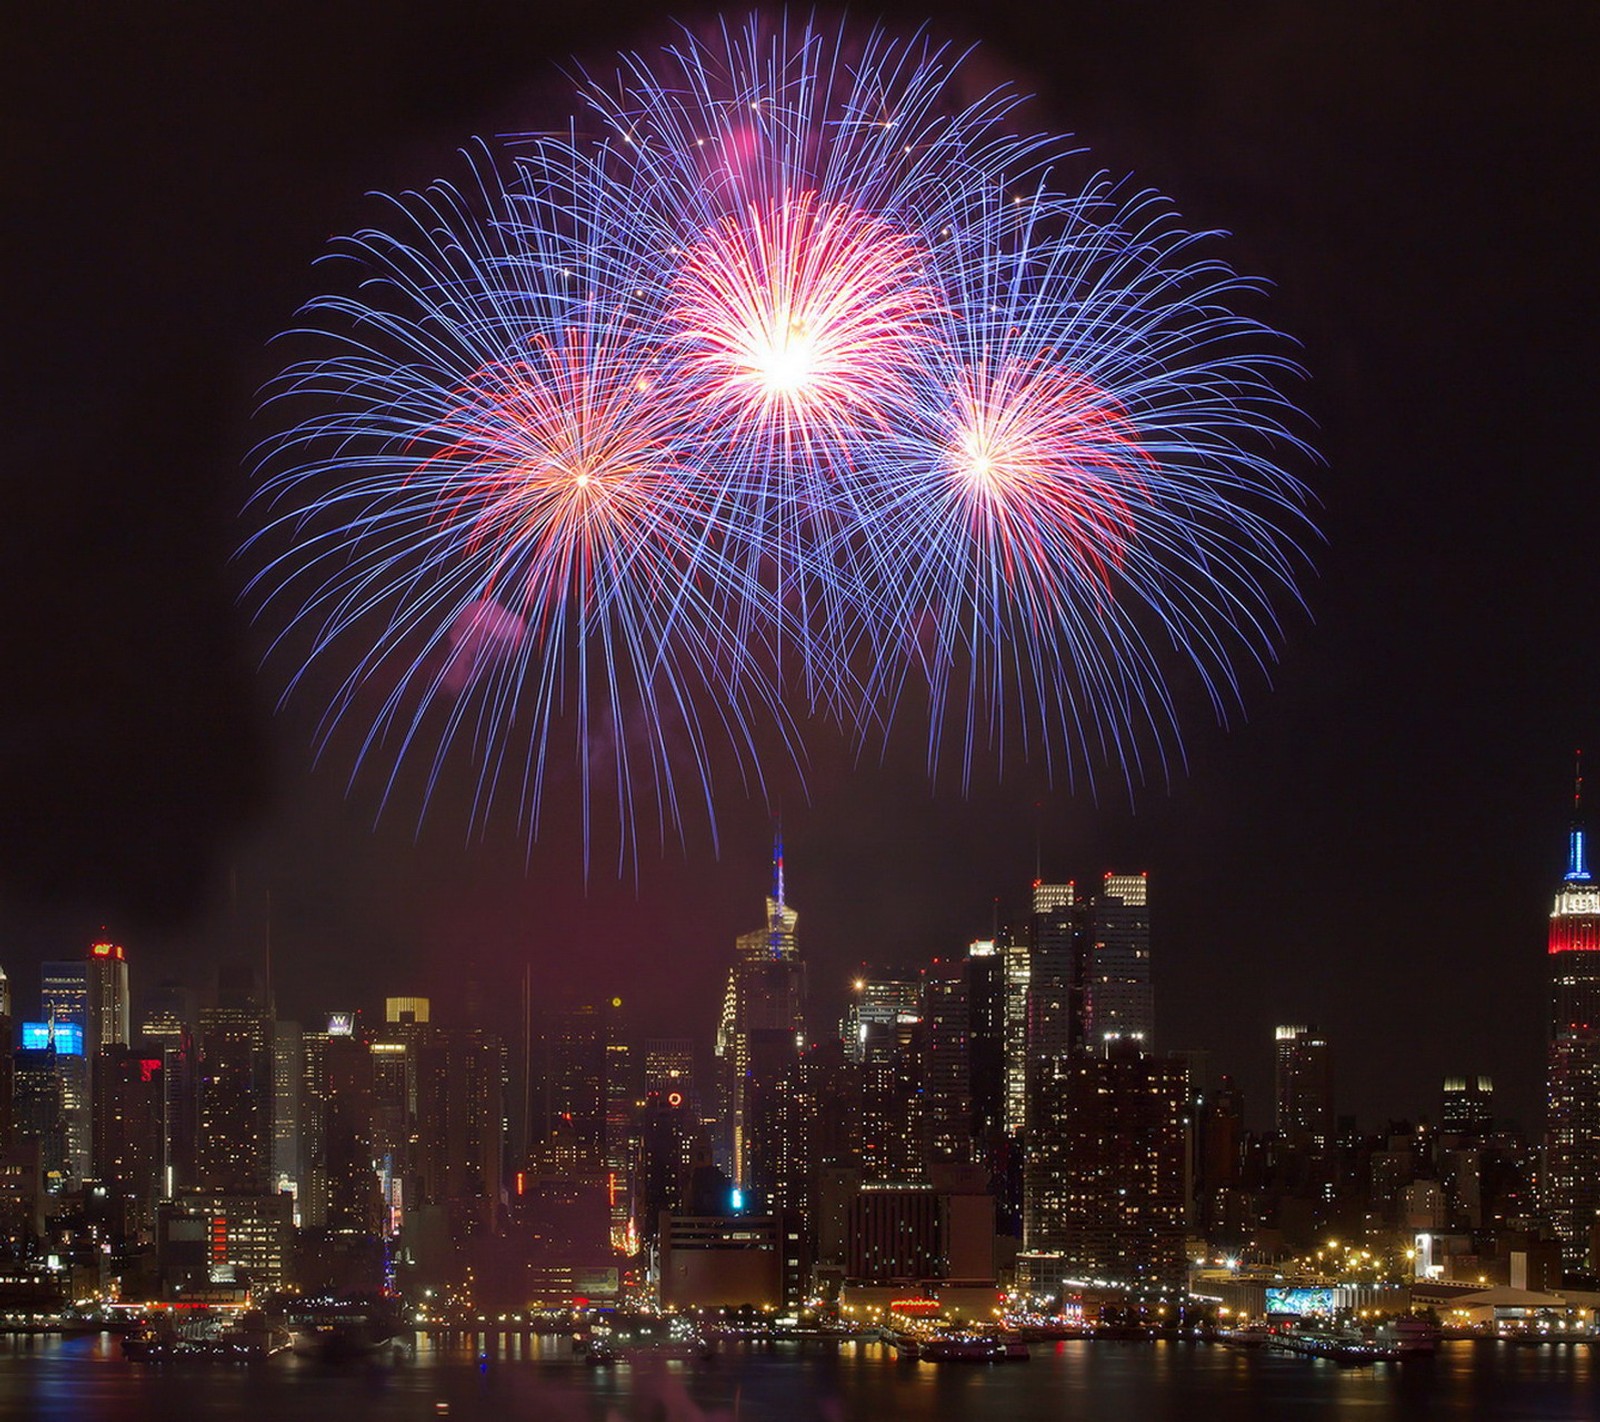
(1372, 847)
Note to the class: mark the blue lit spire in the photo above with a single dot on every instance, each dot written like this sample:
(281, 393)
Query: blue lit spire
(1577, 861)
(777, 862)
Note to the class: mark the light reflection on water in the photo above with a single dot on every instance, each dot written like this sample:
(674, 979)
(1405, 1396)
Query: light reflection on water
(86, 1379)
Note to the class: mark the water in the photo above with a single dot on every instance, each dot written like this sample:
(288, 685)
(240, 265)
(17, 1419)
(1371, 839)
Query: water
(87, 1380)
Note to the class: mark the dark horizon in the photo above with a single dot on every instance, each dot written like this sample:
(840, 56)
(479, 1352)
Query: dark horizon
(1371, 847)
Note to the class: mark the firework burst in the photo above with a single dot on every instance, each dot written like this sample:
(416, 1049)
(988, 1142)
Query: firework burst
(791, 377)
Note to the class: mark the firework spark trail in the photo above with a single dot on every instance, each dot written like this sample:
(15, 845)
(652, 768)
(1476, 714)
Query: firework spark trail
(1093, 475)
(800, 380)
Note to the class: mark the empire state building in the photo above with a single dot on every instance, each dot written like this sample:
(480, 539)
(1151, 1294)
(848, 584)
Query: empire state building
(1573, 1140)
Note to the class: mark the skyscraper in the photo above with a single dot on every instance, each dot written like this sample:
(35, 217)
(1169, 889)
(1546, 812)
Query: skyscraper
(1573, 1127)
(234, 1089)
(766, 992)
(64, 1006)
(986, 1022)
(1119, 1000)
(947, 1059)
(1468, 1106)
(106, 980)
(1303, 1086)
(1018, 972)
(1104, 1186)
(129, 1113)
(1055, 973)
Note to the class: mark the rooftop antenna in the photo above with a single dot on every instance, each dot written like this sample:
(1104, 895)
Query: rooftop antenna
(1577, 860)
(1038, 841)
(271, 1006)
(775, 913)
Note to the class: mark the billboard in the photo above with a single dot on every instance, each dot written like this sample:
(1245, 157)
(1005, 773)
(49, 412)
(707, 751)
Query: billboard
(36, 1036)
(1301, 1301)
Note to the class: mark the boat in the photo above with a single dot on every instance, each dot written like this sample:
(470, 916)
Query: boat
(1415, 1337)
(973, 1348)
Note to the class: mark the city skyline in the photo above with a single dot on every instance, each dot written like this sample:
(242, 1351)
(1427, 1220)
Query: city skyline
(1369, 850)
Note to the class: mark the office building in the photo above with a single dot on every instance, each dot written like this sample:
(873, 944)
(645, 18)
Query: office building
(1572, 1136)
(1468, 1106)
(947, 1060)
(234, 1090)
(106, 983)
(1105, 1178)
(1303, 1087)
(64, 1008)
(129, 1126)
(1055, 975)
(1119, 1000)
(881, 998)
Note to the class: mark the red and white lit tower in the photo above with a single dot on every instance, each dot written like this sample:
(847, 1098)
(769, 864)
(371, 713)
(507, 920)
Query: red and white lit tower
(1573, 1132)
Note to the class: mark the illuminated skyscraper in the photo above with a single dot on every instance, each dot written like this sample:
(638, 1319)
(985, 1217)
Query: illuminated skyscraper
(766, 993)
(1573, 1129)
(108, 1008)
(947, 1059)
(878, 999)
(459, 1129)
(986, 1024)
(1055, 974)
(1468, 1108)
(1303, 1085)
(1119, 1000)
(129, 1115)
(234, 1087)
(64, 1006)
(669, 1067)
(1014, 954)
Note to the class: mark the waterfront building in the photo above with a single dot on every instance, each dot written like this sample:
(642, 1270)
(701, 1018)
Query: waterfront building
(209, 1238)
(1104, 1182)
(722, 1261)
